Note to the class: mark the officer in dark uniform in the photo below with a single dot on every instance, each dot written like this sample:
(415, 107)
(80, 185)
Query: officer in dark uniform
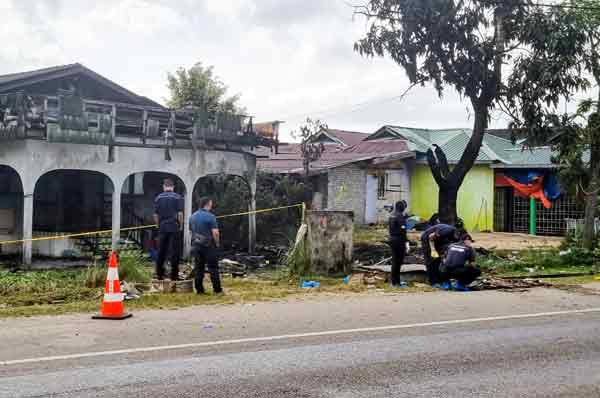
(168, 214)
(397, 229)
(205, 241)
(442, 235)
(455, 264)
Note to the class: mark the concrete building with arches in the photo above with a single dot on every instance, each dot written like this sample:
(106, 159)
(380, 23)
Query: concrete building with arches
(79, 152)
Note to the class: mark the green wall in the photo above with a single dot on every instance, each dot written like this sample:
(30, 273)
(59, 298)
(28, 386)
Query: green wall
(477, 188)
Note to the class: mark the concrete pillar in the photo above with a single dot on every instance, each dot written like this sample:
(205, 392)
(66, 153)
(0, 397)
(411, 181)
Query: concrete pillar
(116, 216)
(187, 212)
(252, 216)
(252, 223)
(27, 227)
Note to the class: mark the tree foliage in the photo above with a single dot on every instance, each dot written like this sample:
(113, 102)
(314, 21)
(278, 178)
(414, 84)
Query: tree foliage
(199, 87)
(311, 151)
(509, 55)
(578, 144)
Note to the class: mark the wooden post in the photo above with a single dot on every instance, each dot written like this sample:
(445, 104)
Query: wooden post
(144, 126)
(113, 127)
(173, 128)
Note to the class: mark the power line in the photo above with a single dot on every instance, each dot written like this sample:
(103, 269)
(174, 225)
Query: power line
(343, 109)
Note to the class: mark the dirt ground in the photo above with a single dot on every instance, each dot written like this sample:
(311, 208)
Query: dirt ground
(506, 241)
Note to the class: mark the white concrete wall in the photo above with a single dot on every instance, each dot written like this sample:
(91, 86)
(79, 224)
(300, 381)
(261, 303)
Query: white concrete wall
(33, 158)
(397, 180)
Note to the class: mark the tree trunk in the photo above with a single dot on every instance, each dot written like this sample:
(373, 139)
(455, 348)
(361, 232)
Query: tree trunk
(591, 196)
(589, 233)
(447, 203)
(449, 182)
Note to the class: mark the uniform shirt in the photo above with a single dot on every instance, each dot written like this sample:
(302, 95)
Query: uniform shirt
(445, 236)
(203, 222)
(457, 256)
(167, 205)
(397, 226)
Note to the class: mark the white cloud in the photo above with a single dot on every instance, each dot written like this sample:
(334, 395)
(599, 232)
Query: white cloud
(287, 58)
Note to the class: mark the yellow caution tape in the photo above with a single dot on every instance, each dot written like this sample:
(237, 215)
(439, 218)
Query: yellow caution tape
(260, 211)
(109, 231)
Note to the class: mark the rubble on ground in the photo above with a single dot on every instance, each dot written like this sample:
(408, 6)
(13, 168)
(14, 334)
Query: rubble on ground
(509, 284)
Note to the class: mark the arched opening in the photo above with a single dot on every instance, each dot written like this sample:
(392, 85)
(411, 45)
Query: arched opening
(231, 195)
(67, 202)
(137, 205)
(11, 209)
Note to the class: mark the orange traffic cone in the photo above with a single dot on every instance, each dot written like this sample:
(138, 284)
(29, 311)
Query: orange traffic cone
(112, 304)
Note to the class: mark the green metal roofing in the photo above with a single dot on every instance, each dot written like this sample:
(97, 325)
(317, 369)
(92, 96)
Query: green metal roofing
(496, 150)
(452, 141)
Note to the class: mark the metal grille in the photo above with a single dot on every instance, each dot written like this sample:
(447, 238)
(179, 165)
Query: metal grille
(499, 210)
(548, 221)
(520, 214)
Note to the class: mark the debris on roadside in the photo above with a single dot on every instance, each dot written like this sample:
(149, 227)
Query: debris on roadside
(130, 292)
(235, 268)
(507, 284)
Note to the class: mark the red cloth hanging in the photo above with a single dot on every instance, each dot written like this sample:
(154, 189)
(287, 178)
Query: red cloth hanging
(534, 190)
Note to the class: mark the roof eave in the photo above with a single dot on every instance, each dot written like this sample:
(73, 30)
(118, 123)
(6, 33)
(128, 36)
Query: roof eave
(523, 166)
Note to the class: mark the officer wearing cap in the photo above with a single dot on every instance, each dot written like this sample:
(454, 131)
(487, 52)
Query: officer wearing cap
(455, 264)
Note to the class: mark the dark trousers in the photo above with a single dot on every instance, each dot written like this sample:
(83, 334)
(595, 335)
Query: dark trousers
(398, 251)
(203, 257)
(464, 275)
(168, 245)
(432, 264)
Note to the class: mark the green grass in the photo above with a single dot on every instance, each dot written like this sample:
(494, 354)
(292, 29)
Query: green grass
(370, 235)
(60, 292)
(538, 262)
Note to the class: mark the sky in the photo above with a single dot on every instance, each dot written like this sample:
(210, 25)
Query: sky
(288, 59)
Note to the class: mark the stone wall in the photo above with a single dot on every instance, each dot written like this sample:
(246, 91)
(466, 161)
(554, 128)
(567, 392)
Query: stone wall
(330, 237)
(347, 190)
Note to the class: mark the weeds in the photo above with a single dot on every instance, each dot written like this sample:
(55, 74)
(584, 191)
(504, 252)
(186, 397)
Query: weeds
(58, 292)
(540, 261)
(298, 258)
(133, 267)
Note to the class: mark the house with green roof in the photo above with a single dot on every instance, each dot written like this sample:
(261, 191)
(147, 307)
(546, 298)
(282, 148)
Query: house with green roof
(485, 202)
(367, 173)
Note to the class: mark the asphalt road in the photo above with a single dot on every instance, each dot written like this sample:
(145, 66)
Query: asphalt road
(518, 353)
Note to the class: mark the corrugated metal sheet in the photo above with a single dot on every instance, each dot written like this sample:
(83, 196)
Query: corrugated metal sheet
(349, 138)
(379, 147)
(34, 73)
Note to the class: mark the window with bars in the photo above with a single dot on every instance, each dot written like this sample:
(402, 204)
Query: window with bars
(500, 210)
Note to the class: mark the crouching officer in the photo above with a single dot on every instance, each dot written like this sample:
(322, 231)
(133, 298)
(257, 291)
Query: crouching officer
(397, 229)
(441, 236)
(455, 264)
(205, 241)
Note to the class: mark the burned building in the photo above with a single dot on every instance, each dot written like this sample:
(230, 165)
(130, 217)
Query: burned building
(81, 153)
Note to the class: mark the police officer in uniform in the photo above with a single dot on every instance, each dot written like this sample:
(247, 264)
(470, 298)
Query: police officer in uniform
(455, 264)
(441, 236)
(398, 240)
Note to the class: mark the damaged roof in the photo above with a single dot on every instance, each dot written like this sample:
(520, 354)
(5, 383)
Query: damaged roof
(18, 81)
(288, 159)
(497, 147)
